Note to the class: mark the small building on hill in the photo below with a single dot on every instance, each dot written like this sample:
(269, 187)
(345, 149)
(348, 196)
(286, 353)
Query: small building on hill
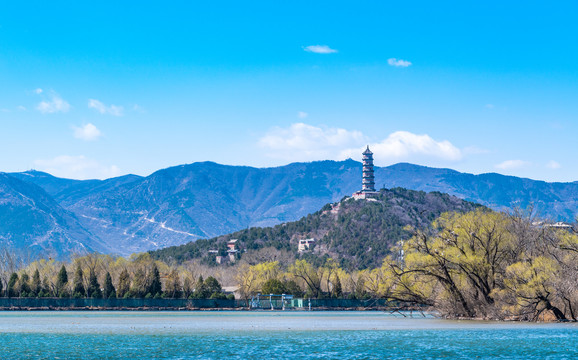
(305, 244)
(232, 244)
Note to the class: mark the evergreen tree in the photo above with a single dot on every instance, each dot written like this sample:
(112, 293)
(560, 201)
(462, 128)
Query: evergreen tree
(1, 287)
(109, 291)
(155, 287)
(36, 285)
(11, 291)
(62, 282)
(212, 285)
(201, 290)
(24, 286)
(273, 286)
(123, 284)
(78, 290)
(293, 288)
(93, 286)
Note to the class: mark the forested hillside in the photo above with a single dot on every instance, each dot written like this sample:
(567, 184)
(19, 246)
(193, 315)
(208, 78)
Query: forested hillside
(357, 233)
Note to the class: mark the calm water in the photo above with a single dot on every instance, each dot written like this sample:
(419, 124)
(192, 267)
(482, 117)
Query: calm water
(264, 335)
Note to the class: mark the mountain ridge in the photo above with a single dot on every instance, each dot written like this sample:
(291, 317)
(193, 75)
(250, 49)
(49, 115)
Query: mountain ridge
(32, 223)
(186, 202)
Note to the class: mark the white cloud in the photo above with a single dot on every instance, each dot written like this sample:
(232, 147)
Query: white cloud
(490, 106)
(76, 167)
(21, 108)
(87, 132)
(319, 49)
(553, 165)
(512, 164)
(407, 146)
(398, 62)
(302, 114)
(103, 109)
(53, 104)
(38, 91)
(303, 142)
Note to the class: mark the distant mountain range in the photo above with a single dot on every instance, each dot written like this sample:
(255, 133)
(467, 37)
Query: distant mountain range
(202, 200)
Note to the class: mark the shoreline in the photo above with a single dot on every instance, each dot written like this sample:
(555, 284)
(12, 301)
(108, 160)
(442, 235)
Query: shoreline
(168, 308)
(402, 313)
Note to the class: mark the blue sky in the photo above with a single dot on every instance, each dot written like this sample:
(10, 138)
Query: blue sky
(105, 89)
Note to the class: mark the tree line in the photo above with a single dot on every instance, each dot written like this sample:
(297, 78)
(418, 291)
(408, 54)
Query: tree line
(479, 264)
(102, 276)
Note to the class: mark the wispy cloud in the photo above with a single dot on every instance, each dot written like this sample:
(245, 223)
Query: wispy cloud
(303, 142)
(319, 49)
(490, 106)
(103, 109)
(88, 132)
(76, 167)
(398, 62)
(513, 164)
(553, 165)
(52, 103)
(302, 114)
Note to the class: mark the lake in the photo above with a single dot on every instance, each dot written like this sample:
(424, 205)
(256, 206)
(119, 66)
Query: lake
(290, 335)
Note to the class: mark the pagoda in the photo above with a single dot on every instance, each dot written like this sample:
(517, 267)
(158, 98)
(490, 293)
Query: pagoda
(367, 178)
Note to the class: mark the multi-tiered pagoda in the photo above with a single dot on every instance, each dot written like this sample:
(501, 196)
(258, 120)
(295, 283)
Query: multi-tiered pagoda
(368, 178)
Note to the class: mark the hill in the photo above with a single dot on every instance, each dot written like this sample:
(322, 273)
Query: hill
(359, 233)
